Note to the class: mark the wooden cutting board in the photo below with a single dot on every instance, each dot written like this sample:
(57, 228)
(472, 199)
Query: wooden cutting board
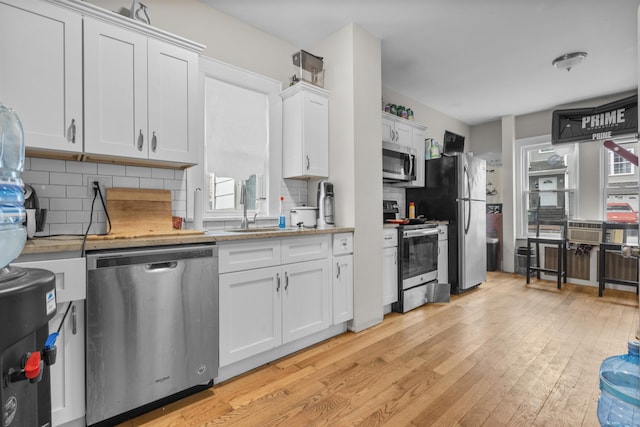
(140, 213)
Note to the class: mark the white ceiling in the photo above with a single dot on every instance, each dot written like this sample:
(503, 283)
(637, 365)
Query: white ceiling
(474, 60)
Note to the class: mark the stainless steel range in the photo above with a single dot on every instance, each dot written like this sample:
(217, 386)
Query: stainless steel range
(417, 266)
(417, 258)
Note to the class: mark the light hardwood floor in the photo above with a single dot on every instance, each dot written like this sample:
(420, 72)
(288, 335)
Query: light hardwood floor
(505, 353)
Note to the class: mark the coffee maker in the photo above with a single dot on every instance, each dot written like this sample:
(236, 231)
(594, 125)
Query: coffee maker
(36, 217)
(325, 205)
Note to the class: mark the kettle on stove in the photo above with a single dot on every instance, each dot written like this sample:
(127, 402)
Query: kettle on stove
(36, 217)
(325, 205)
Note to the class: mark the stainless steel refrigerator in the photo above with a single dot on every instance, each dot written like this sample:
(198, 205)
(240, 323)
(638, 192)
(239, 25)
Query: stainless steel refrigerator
(455, 190)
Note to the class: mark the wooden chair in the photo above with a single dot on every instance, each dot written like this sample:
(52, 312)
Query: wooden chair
(614, 235)
(558, 227)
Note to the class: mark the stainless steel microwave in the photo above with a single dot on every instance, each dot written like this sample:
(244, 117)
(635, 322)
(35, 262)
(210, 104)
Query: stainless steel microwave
(398, 163)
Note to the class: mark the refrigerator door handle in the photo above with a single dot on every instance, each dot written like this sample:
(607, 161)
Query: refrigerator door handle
(468, 219)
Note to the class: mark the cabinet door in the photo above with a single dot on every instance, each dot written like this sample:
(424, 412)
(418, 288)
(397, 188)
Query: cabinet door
(388, 130)
(250, 313)
(342, 288)
(305, 299)
(443, 261)
(390, 275)
(305, 136)
(173, 81)
(115, 87)
(41, 72)
(67, 374)
(404, 134)
(418, 145)
(315, 135)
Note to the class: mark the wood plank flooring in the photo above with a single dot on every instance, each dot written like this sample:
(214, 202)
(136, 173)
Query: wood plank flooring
(503, 354)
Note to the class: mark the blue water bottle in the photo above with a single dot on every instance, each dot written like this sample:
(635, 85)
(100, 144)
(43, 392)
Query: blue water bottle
(13, 233)
(619, 402)
(282, 221)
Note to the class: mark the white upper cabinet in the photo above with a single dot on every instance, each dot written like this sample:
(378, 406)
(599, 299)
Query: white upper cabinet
(41, 72)
(140, 95)
(396, 131)
(305, 148)
(115, 67)
(418, 144)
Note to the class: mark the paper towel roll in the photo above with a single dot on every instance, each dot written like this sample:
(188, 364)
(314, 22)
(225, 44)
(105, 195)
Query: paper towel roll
(197, 210)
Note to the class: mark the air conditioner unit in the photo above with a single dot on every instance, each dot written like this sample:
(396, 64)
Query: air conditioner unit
(583, 231)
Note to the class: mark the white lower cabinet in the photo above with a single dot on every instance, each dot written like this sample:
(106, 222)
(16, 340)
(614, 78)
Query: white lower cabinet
(443, 254)
(342, 277)
(67, 373)
(390, 266)
(266, 307)
(250, 313)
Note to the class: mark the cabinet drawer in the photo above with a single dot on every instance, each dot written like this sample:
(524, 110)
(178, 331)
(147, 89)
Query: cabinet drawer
(71, 277)
(342, 243)
(390, 237)
(298, 249)
(248, 255)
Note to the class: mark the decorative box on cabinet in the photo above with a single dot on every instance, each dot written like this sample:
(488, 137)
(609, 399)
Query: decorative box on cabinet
(140, 95)
(305, 141)
(67, 373)
(41, 73)
(286, 298)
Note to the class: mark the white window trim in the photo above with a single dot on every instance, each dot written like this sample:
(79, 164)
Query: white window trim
(521, 146)
(610, 165)
(196, 175)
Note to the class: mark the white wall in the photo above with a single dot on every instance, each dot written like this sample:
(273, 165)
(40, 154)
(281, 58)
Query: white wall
(226, 38)
(355, 156)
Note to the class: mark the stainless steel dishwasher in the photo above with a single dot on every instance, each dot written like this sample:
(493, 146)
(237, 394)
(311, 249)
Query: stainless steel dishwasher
(152, 328)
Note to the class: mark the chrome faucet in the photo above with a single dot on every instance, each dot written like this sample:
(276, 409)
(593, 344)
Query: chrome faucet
(244, 222)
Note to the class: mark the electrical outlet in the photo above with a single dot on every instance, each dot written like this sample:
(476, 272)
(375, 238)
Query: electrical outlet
(103, 181)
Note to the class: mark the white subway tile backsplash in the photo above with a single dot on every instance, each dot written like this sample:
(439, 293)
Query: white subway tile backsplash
(56, 217)
(50, 165)
(126, 182)
(163, 173)
(138, 171)
(65, 178)
(61, 187)
(109, 169)
(66, 229)
(49, 190)
(82, 167)
(157, 184)
(76, 192)
(173, 184)
(65, 204)
(35, 177)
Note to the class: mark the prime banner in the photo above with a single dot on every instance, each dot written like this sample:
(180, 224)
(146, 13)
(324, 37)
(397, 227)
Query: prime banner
(596, 123)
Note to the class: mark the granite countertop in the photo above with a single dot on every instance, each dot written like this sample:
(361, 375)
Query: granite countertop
(43, 245)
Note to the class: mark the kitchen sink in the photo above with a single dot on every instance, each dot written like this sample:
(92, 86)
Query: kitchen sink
(257, 229)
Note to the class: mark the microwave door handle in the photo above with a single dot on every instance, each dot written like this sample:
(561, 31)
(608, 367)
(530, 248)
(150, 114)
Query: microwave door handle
(412, 172)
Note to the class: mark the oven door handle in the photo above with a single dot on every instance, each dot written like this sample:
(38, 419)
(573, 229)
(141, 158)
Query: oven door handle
(416, 233)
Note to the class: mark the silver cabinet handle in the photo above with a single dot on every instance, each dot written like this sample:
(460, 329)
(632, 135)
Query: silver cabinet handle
(338, 273)
(286, 281)
(140, 140)
(154, 142)
(308, 163)
(395, 258)
(73, 131)
(74, 320)
(278, 280)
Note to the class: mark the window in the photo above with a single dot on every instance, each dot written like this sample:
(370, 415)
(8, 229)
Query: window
(620, 183)
(242, 140)
(547, 182)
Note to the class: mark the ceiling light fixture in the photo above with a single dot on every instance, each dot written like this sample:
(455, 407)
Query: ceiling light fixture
(569, 60)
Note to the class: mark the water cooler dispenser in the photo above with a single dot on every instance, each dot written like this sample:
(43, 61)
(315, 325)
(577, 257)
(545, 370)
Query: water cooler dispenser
(27, 298)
